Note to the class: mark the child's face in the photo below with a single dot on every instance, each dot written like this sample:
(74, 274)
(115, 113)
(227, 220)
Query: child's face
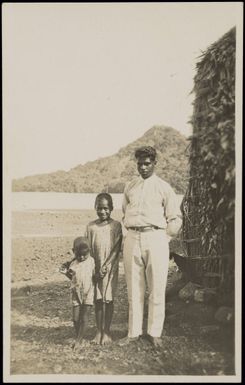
(103, 210)
(80, 255)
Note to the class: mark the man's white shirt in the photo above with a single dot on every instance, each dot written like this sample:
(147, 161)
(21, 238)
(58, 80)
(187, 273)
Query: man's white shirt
(150, 201)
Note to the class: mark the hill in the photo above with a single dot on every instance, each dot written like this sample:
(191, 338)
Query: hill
(112, 172)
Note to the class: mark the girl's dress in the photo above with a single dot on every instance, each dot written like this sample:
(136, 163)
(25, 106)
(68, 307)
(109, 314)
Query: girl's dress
(82, 286)
(105, 238)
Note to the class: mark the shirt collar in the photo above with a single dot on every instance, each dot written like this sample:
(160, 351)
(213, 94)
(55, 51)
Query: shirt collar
(150, 177)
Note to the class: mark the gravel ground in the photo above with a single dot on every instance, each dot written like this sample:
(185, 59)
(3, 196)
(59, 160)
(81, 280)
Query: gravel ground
(41, 326)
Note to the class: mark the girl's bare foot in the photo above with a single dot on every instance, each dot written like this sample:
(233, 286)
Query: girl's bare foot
(97, 338)
(106, 339)
(76, 346)
(79, 344)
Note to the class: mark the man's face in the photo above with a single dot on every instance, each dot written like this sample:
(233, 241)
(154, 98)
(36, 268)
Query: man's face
(145, 166)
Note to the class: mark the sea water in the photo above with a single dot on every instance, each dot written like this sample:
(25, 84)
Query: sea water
(19, 201)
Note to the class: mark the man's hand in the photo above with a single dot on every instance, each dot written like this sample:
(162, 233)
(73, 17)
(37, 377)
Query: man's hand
(173, 227)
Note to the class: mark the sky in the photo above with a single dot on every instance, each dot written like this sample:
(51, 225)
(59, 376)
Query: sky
(80, 80)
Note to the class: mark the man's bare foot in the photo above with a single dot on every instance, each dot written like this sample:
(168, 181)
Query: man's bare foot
(106, 339)
(156, 341)
(97, 338)
(127, 340)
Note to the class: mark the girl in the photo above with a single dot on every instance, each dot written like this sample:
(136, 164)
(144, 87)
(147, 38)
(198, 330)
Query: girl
(105, 238)
(80, 270)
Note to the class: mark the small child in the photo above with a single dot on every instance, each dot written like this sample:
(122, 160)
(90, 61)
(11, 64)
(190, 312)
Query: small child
(105, 238)
(80, 270)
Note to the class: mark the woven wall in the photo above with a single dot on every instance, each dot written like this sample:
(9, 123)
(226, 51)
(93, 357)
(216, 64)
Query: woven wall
(209, 202)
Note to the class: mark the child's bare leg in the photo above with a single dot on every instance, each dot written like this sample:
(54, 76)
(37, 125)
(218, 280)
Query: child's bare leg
(83, 323)
(75, 317)
(99, 321)
(109, 308)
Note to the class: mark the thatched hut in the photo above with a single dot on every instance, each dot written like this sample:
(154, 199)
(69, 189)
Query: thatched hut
(209, 202)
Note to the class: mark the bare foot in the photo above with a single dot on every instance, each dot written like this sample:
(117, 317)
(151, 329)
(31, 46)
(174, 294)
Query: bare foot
(97, 338)
(106, 339)
(76, 346)
(127, 340)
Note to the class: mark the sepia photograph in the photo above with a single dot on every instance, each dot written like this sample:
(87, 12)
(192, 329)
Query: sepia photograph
(122, 191)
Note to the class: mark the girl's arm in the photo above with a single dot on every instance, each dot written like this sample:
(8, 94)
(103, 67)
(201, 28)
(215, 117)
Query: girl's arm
(114, 254)
(94, 276)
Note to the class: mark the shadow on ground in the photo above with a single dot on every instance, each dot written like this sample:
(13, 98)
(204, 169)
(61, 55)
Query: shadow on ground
(42, 333)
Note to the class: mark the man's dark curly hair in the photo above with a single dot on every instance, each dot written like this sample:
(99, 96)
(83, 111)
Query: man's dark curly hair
(146, 151)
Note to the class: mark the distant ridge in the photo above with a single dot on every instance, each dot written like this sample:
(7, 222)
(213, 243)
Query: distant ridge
(112, 172)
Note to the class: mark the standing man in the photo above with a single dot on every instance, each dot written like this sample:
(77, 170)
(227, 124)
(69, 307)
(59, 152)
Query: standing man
(151, 215)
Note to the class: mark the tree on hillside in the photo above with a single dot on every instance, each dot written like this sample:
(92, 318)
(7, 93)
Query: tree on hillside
(114, 171)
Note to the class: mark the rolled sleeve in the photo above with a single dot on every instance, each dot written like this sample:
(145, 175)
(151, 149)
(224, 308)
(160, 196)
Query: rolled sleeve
(172, 213)
(171, 204)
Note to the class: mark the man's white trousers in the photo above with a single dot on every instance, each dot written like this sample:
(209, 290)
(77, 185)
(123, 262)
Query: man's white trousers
(146, 259)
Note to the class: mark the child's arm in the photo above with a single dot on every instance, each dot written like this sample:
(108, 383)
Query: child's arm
(64, 269)
(115, 252)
